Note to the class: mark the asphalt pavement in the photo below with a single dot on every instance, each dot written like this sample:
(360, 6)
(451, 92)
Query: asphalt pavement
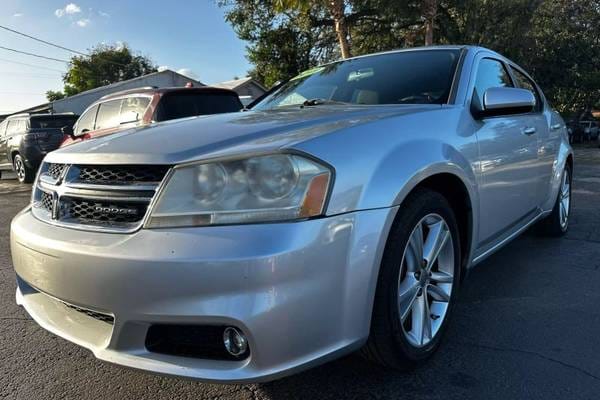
(527, 326)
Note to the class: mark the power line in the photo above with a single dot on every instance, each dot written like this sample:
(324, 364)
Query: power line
(59, 46)
(24, 93)
(29, 74)
(32, 65)
(43, 41)
(34, 55)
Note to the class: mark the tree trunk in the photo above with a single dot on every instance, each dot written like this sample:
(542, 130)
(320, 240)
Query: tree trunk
(430, 13)
(338, 12)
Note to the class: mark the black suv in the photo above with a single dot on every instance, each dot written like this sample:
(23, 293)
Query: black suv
(25, 139)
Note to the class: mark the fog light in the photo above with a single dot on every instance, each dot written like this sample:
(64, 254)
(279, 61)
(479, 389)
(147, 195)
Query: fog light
(235, 342)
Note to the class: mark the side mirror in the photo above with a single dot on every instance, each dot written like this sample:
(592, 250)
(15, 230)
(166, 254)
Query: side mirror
(506, 101)
(68, 130)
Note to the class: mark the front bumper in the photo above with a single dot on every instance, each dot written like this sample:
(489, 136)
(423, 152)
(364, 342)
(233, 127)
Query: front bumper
(301, 292)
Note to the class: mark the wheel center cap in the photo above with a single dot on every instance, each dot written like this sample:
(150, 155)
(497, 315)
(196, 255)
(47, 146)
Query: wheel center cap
(422, 276)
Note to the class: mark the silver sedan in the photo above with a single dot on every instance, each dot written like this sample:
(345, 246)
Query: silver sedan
(341, 213)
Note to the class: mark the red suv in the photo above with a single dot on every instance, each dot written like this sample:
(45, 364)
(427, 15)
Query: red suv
(144, 106)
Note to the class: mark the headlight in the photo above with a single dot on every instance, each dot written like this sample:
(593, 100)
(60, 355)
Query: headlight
(276, 187)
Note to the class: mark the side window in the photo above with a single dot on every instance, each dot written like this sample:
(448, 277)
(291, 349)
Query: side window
(3, 128)
(87, 120)
(133, 106)
(22, 126)
(491, 73)
(13, 127)
(525, 83)
(108, 114)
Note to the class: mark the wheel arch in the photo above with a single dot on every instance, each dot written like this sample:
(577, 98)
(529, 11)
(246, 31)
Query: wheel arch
(13, 153)
(461, 198)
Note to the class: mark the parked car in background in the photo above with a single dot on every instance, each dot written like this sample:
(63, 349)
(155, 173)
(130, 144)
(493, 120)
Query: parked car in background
(341, 212)
(590, 129)
(144, 106)
(25, 139)
(581, 131)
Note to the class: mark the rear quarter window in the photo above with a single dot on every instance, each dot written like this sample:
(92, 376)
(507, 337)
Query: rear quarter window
(52, 123)
(181, 105)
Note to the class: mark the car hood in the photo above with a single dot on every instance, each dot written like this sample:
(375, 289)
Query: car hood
(195, 138)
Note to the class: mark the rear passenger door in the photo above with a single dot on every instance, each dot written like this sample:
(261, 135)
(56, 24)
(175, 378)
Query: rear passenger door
(508, 159)
(548, 139)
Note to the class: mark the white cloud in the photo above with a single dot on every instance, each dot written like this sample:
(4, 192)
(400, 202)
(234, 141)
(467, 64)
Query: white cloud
(83, 22)
(162, 68)
(119, 45)
(104, 14)
(69, 9)
(17, 15)
(187, 72)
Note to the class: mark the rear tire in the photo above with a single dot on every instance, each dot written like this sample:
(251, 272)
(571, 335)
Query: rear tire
(399, 338)
(24, 173)
(557, 223)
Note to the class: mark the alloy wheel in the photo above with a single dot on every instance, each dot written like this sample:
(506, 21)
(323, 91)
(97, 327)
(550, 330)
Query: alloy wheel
(20, 168)
(565, 199)
(425, 282)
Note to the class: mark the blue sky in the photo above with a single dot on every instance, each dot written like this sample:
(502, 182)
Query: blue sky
(189, 36)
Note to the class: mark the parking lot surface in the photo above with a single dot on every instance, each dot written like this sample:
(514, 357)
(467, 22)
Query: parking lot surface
(527, 326)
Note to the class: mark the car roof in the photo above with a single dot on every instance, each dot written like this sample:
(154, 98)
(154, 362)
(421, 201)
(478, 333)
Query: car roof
(165, 90)
(42, 115)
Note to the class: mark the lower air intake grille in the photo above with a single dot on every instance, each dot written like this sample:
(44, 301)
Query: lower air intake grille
(102, 212)
(197, 341)
(46, 201)
(94, 314)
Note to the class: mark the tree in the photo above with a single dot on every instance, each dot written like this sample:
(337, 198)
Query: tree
(336, 10)
(557, 41)
(104, 65)
(52, 95)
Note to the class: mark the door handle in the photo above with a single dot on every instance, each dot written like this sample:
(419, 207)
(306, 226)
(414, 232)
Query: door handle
(528, 131)
(555, 127)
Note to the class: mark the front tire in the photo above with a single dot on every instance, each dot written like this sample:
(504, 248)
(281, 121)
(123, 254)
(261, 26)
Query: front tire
(418, 282)
(24, 173)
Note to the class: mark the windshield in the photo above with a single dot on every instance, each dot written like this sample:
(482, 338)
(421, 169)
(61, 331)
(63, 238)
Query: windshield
(52, 122)
(408, 77)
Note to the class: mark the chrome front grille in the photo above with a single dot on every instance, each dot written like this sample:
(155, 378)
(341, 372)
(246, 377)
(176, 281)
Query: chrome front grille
(108, 198)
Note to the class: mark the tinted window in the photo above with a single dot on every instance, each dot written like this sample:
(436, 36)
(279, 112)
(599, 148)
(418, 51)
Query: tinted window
(525, 83)
(133, 108)
(491, 73)
(410, 77)
(87, 120)
(52, 122)
(180, 105)
(108, 114)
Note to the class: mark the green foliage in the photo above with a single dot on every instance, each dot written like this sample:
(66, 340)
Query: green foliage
(51, 95)
(105, 65)
(557, 41)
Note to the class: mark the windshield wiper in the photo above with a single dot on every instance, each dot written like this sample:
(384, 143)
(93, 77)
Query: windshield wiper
(319, 102)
